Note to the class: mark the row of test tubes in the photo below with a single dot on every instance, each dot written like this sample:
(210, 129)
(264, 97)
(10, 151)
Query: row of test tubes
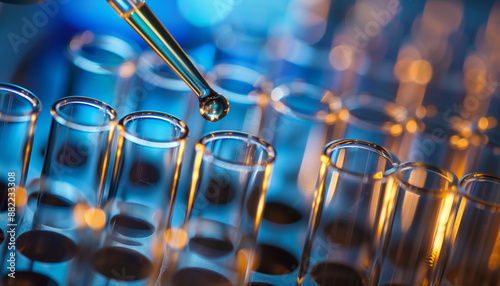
(137, 198)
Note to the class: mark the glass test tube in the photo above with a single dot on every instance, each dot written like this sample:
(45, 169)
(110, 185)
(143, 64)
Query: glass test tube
(19, 109)
(375, 120)
(300, 119)
(247, 90)
(230, 179)
(444, 142)
(240, 45)
(474, 256)
(419, 227)
(53, 237)
(353, 199)
(158, 88)
(78, 148)
(101, 67)
(141, 199)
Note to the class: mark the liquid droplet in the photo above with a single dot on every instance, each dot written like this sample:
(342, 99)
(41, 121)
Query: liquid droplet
(213, 107)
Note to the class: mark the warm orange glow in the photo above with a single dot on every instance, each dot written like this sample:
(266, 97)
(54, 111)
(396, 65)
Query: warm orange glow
(344, 115)
(126, 70)
(200, 151)
(175, 183)
(483, 123)
(409, 209)
(387, 206)
(458, 220)
(260, 206)
(445, 15)
(441, 227)
(417, 177)
(79, 215)
(27, 152)
(475, 140)
(95, 218)
(420, 71)
(104, 169)
(341, 57)
(243, 257)
(401, 69)
(330, 119)
(420, 111)
(494, 260)
(21, 197)
(411, 126)
(176, 238)
(396, 129)
(458, 142)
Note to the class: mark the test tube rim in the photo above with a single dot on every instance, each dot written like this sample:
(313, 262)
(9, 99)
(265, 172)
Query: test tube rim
(450, 126)
(475, 175)
(36, 104)
(446, 174)
(77, 57)
(352, 101)
(278, 106)
(227, 134)
(344, 143)
(262, 85)
(183, 134)
(228, 31)
(56, 114)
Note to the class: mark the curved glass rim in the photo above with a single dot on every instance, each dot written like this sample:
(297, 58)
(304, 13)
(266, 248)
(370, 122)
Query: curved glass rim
(345, 143)
(176, 122)
(352, 102)
(218, 135)
(474, 176)
(316, 117)
(36, 104)
(260, 83)
(445, 174)
(119, 46)
(150, 58)
(453, 126)
(60, 118)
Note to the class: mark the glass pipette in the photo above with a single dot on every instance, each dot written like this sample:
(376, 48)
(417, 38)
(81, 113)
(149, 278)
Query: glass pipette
(213, 106)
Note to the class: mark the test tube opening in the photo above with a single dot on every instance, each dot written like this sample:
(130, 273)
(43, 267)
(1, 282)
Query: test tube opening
(483, 189)
(84, 114)
(239, 83)
(143, 128)
(17, 104)
(306, 101)
(426, 178)
(368, 111)
(239, 149)
(360, 158)
(102, 54)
